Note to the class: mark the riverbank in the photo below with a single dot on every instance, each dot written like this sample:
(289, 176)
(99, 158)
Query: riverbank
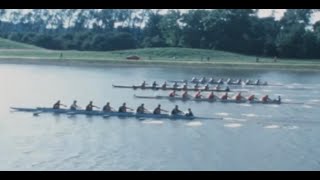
(159, 63)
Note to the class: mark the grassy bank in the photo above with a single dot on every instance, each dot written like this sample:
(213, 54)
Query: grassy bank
(21, 53)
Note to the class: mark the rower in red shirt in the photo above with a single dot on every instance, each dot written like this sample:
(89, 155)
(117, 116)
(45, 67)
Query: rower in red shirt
(185, 95)
(211, 95)
(198, 95)
(224, 97)
(265, 98)
(172, 94)
(239, 97)
(252, 98)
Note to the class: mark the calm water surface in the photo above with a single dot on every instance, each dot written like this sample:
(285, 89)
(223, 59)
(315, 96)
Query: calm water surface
(251, 137)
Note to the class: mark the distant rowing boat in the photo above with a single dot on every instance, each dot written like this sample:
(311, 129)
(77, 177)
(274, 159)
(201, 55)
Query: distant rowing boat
(222, 82)
(209, 100)
(107, 114)
(178, 88)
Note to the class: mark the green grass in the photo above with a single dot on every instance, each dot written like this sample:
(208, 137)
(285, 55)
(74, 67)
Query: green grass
(164, 56)
(7, 44)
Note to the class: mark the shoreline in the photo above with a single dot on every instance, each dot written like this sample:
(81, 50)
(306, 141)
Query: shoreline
(154, 63)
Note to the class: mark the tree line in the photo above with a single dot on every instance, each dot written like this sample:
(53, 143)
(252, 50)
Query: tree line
(234, 30)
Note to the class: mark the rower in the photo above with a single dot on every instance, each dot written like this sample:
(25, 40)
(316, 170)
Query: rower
(224, 97)
(196, 86)
(279, 99)
(220, 81)
(248, 81)
(206, 87)
(175, 85)
(141, 109)
(211, 95)
(123, 108)
(107, 108)
(257, 82)
(143, 85)
(57, 105)
(203, 80)
(218, 87)
(74, 106)
(90, 106)
(154, 84)
(176, 111)
(173, 93)
(228, 81)
(185, 95)
(252, 98)
(198, 95)
(227, 89)
(194, 79)
(158, 110)
(164, 85)
(239, 97)
(185, 86)
(239, 81)
(265, 98)
(211, 80)
(190, 114)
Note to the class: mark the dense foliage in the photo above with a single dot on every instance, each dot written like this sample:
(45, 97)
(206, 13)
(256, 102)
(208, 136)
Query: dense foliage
(234, 30)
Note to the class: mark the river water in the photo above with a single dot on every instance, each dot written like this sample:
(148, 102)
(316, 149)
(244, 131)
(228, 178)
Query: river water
(250, 137)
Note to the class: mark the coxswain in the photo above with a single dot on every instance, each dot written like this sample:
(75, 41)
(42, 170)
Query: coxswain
(189, 113)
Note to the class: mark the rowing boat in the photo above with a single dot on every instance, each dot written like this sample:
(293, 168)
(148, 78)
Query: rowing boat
(178, 88)
(107, 114)
(221, 83)
(207, 100)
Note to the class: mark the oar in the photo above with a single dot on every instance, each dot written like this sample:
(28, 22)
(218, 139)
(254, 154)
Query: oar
(37, 113)
(97, 107)
(164, 110)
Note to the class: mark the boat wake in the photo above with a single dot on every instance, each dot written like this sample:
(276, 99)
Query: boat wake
(307, 106)
(250, 115)
(245, 105)
(232, 125)
(274, 106)
(222, 114)
(291, 127)
(194, 123)
(152, 122)
(235, 119)
(272, 126)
